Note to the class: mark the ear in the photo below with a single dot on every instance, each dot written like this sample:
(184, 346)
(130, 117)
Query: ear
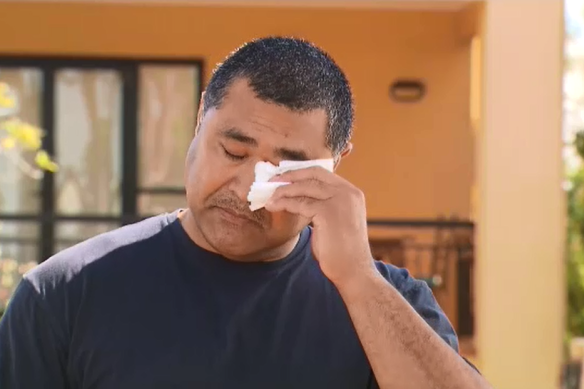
(346, 151)
(200, 113)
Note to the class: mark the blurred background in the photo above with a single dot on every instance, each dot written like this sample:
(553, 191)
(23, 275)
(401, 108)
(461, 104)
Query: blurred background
(467, 144)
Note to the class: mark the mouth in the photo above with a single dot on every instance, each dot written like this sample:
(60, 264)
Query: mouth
(235, 217)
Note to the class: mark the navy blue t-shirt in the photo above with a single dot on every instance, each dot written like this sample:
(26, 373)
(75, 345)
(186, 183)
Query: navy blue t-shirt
(144, 307)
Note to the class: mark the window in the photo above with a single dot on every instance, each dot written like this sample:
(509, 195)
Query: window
(119, 129)
(167, 118)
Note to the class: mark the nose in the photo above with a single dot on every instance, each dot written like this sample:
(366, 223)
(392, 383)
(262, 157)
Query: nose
(241, 183)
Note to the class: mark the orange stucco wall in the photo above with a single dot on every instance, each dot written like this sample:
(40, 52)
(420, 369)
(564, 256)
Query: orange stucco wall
(411, 160)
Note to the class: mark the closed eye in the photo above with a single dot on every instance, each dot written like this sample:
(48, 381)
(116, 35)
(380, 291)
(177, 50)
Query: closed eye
(233, 157)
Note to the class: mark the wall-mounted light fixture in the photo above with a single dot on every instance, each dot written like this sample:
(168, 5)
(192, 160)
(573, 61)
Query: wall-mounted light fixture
(407, 90)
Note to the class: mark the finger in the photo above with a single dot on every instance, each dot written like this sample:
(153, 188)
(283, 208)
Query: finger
(310, 173)
(308, 188)
(302, 206)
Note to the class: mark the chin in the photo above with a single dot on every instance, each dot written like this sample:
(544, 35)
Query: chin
(232, 242)
(237, 249)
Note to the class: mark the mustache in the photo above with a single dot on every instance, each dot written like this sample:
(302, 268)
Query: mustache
(231, 202)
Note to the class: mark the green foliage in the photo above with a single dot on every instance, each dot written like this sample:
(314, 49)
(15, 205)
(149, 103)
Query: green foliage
(575, 248)
(575, 283)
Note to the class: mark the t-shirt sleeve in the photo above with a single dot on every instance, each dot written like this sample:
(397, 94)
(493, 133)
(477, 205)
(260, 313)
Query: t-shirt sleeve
(32, 351)
(421, 298)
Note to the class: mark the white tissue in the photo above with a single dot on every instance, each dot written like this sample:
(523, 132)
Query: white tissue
(261, 190)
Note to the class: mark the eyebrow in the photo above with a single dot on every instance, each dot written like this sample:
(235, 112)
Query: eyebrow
(291, 155)
(239, 136)
(282, 152)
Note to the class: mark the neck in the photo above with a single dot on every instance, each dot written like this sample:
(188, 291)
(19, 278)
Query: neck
(267, 255)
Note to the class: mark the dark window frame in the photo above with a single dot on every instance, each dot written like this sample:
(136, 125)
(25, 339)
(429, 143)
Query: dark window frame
(128, 69)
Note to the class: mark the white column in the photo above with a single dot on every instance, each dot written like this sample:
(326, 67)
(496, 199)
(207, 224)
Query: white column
(521, 214)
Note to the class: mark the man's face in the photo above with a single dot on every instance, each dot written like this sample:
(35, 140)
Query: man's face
(220, 170)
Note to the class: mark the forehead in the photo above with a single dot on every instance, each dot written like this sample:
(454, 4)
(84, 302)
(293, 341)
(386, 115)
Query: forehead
(271, 124)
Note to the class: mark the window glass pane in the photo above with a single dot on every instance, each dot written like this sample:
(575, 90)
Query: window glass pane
(154, 204)
(88, 141)
(18, 190)
(168, 104)
(70, 233)
(18, 254)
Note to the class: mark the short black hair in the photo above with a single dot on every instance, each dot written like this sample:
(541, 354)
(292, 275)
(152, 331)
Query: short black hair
(293, 73)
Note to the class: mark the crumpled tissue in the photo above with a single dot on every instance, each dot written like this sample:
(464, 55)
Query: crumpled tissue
(261, 190)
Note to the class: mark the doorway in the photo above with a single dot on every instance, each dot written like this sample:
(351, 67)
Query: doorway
(119, 130)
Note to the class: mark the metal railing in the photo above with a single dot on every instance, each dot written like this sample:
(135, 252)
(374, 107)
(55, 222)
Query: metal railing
(438, 251)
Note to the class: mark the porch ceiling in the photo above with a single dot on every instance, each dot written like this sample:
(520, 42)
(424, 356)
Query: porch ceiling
(419, 5)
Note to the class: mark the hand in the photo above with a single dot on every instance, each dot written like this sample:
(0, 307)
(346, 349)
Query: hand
(337, 210)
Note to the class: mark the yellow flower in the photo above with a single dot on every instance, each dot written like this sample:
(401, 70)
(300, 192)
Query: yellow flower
(21, 135)
(43, 161)
(8, 143)
(7, 96)
(28, 136)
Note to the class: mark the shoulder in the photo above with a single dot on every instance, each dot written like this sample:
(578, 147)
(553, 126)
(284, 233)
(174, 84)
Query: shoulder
(59, 286)
(421, 298)
(62, 282)
(401, 279)
(121, 242)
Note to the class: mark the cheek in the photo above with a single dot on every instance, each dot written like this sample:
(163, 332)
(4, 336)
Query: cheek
(206, 175)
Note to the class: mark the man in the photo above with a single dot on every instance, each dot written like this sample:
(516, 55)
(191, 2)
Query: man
(217, 296)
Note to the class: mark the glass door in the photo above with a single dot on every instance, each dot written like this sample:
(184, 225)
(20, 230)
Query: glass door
(20, 195)
(119, 130)
(88, 141)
